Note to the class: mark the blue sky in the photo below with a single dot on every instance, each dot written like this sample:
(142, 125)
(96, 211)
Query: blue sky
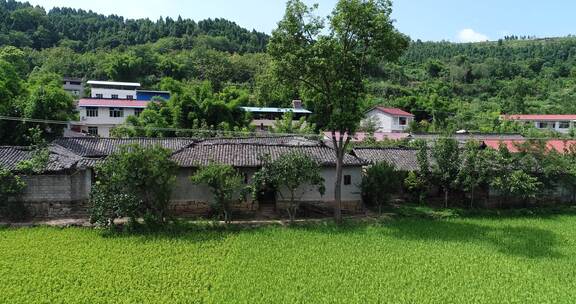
(454, 20)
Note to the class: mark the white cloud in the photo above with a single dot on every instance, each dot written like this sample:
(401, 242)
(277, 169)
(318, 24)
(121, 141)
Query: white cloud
(469, 35)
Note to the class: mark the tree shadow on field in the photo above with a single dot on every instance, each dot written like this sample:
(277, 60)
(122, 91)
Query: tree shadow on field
(526, 242)
(194, 233)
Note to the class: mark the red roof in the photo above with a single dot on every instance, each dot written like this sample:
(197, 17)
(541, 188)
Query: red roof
(361, 136)
(512, 145)
(113, 103)
(553, 117)
(393, 111)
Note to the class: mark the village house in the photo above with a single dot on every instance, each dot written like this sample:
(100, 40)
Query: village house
(265, 118)
(110, 104)
(388, 120)
(63, 188)
(558, 123)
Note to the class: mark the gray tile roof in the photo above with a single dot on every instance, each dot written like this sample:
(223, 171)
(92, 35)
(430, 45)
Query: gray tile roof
(249, 152)
(265, 140)
(60, 158)
(102, 147)
(403, 159)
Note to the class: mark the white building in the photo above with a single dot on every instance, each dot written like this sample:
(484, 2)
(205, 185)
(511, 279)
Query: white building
(388, 120)
(113, 90)
(99, 116)
(556, 122)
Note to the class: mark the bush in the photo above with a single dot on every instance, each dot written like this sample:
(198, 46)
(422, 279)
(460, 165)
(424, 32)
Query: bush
(11, 186)
(379, 181)
(135, 183)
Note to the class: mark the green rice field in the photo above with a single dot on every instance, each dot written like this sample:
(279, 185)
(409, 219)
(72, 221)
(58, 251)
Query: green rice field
(409, 260)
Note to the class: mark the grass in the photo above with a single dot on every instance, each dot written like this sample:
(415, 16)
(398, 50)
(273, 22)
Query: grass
(405, 260)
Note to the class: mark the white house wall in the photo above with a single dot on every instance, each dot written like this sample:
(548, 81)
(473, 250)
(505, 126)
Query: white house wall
(384, 122)
(107, 93)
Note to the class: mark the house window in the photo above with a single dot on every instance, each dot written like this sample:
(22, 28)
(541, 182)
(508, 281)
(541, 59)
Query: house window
(129, 97)
(402, 121)
(93, 131)
(92, 112)
(347, 180)
(543, 125)
(116, 112)
(114, 96)
(99, 96)
(564, 125)
(137, 112)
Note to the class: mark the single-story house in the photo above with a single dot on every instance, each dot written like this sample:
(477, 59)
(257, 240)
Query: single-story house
(67, 180)
(61, 189)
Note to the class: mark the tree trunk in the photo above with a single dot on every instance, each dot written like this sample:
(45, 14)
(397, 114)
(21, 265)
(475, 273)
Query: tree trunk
(446, 197)
(472, 198)
(338, 187)
(291, 208)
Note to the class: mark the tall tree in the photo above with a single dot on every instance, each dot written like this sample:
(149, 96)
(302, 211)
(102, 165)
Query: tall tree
(330, 63)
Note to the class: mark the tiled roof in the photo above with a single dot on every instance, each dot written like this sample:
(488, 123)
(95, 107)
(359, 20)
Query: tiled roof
(469, 136)
(101, 147)
(393, 111)
(60, 158)
(265, 140)
(558, 145)
(546, 117)
(248, 152)
(378, 136)
(402, 159)
(113, 103)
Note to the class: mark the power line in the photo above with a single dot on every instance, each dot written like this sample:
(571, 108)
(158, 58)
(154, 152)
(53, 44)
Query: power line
(206, 131)
(432, 136)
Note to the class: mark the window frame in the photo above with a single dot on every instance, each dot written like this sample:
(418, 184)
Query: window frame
(92, 129)
(92, 111)
(402, 119)
(347, 180)
(113, 112)
(114, 96)
(99, 96)
(564, 125)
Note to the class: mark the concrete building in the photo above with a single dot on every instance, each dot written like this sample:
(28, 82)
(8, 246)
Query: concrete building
(99, 116)
(74, 86)
(63, 189)
(264, 118)
(113, 89)
(558, 123)
(388, 120)
(148, 95)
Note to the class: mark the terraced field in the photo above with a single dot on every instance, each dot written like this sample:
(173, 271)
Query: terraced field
(489, 260)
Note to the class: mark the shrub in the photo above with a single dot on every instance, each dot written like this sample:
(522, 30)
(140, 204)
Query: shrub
(379, 181)
(224, 181)
(136, 183)
(11, 186)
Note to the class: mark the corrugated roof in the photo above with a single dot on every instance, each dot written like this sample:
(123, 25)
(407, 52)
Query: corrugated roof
(113, 103)
(275, 110)
(101, 147)
(393, 111)
(545, 117)
(403, 159)
(113, 83)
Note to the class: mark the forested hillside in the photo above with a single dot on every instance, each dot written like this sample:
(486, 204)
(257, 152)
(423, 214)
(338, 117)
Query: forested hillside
(214, 66)
(23, 25)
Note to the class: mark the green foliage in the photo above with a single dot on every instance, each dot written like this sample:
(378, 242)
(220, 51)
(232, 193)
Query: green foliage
(224, 182)
(134, 182)
(521, 259)
(378, 183)
(287, 125)
(292, 175)
(445, 165)
(329, 63)
(11, 186)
